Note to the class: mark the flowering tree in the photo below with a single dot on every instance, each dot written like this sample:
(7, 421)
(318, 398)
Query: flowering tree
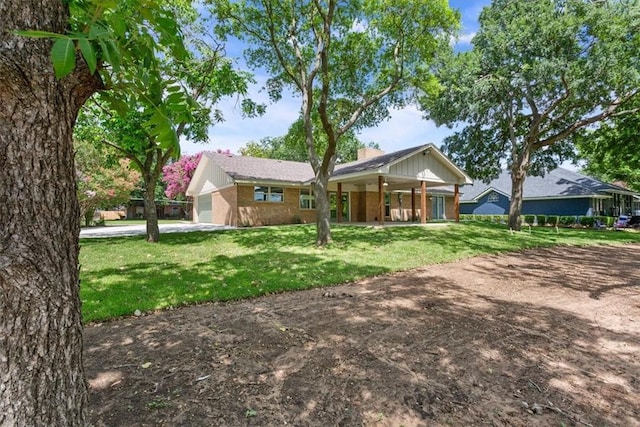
(105, 187)
(178, 175)
(103, 180)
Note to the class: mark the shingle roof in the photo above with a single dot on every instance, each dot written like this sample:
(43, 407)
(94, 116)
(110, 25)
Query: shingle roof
(253, 168)
(559, 182)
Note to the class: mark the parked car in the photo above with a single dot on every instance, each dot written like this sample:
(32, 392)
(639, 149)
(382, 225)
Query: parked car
(622, 222)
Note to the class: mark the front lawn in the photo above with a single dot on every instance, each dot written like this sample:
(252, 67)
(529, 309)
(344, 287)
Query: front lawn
(124, 274)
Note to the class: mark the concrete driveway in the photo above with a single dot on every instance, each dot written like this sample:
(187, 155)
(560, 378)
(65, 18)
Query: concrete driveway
(134, 230)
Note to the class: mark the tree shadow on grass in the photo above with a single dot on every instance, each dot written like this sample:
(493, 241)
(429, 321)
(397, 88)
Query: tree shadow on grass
(412, 349)
(118, 291)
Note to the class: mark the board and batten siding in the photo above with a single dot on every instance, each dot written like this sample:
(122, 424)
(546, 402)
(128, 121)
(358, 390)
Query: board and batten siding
(215, 178)
(424, 167)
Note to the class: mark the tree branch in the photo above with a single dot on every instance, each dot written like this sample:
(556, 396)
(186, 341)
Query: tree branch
(566, 132)
(126, 153)
(273, 41)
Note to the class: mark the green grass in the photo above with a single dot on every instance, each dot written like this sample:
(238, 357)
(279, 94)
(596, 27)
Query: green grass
(120, 275)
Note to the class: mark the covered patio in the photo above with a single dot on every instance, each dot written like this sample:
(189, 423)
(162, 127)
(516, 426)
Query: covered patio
(419, 173)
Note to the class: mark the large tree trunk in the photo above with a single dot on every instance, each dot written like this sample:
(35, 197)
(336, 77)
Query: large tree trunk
(519, 171)
(323, 210)
(153, 231)
(42, 381)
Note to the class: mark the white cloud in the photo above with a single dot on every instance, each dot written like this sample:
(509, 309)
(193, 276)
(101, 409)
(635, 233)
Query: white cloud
(406, 128)
(466, 38)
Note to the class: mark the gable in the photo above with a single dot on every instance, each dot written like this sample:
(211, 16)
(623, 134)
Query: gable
(208, 177)
(425, 167)
(422, 163)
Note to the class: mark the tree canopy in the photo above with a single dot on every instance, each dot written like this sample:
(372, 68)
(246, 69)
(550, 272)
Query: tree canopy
(538, 72)
(174, 97)
(611, 151)
(349, 62)
(292, 147)
(103, 180)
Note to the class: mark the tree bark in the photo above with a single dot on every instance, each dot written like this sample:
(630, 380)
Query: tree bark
(153, 231)
(323, 209)
(42, 380)
(519, 170)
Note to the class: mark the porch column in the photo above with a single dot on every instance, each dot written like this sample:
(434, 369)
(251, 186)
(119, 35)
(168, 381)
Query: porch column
(339, 204)
(423, 202)
(380, 200)
(456, 202)
(413, 204)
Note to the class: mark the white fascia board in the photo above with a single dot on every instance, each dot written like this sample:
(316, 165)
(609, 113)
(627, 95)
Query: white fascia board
(487, 191)
(197, 175)
(270, 183)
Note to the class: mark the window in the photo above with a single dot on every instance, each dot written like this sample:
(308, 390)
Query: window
(268, 194)
(493, 197)
(307, 199)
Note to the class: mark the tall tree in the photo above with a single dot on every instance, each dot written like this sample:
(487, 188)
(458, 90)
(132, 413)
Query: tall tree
(102, 180)
(185, 90)
(72, 49)
(611, 151)
(292, 147)
(538, 72)
(349, 62)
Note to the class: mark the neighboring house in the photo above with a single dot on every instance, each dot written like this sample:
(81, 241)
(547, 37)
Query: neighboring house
(559, 192)
(165, 209)
(411, 184)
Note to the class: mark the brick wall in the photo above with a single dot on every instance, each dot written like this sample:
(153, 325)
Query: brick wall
(224, 204)
(450, 208)
(251, 212)
(236, 206)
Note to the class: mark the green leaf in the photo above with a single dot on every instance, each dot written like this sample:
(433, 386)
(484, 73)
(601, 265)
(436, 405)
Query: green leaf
(114, 54)
(105, 51)
(110, 53)
(117, 104)
(63, 56)
(89, 54)
(97, 31)
(38, 34)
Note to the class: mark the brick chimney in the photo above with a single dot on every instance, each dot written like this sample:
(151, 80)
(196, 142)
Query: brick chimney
(369, 153)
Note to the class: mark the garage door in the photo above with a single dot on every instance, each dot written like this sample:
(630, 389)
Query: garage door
(204, 208)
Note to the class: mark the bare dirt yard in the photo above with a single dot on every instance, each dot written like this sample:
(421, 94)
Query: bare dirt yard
(546, 337)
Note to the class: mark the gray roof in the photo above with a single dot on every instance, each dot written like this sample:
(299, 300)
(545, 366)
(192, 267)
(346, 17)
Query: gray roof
(556, 183)
(375, 162)
(261, 169)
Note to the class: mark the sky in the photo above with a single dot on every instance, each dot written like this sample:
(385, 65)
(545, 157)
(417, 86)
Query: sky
(406, 127)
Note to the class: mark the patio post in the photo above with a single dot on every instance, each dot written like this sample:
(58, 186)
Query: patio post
(413, 204)
(423, 202)
(339, 204)
(380, 200)
(456, 202)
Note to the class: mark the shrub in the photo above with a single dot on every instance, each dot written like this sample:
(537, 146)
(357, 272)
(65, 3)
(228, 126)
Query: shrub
(587, 221)
(567, 221)
(529, 219)
(552, 220)
(542, 219)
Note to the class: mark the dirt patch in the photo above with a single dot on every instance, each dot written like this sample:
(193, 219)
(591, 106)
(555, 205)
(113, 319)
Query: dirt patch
(537, 338)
